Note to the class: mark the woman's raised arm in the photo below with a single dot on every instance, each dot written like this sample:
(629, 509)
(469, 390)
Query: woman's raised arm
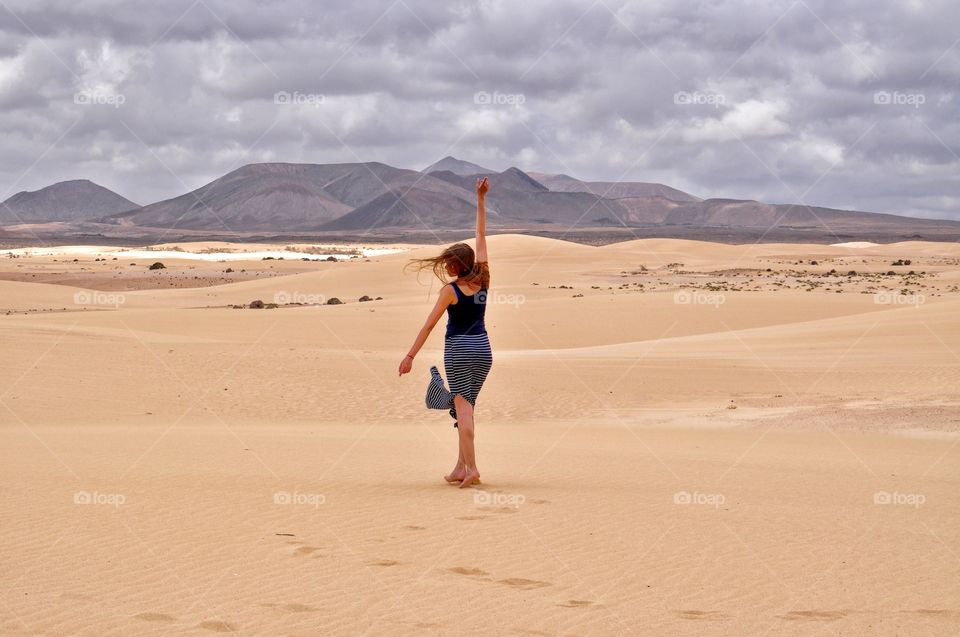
(483, 185)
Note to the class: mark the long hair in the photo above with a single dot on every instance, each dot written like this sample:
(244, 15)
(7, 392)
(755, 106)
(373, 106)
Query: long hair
(461, 258)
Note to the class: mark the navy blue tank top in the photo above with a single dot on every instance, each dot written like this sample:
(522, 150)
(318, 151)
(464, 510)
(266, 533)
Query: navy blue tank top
(466, 317)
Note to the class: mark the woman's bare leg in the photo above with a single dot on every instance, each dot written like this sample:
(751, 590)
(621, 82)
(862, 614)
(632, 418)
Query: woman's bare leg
(466, 430)
(457, 474)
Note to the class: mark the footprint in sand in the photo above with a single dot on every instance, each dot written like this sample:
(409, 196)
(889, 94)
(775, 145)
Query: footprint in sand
(525, 584)
(468, 570)
(413, 527)
(155, 617)
(500, 509)
(940, 612)
(576, 603)
(305, 550)
(701, 614)
(299, 608)
(814, 615)
(218, 626)
(472, 517)
(384, 563)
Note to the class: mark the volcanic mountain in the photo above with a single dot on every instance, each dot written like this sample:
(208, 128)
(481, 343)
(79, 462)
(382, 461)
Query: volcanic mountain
(612, 189)
(456, 166)
(282, 197)
(73, 200)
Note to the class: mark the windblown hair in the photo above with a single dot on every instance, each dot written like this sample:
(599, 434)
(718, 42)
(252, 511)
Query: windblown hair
(461, 259)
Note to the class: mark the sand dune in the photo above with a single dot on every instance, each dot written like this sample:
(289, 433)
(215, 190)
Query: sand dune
(694, 446)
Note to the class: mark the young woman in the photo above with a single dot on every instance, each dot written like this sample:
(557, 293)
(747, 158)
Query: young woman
(467, 357)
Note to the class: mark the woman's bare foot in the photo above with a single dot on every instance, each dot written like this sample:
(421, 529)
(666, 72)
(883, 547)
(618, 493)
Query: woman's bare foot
(470, 478)
(456, 475)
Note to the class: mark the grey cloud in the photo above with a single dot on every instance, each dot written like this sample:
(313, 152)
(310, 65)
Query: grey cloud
(598, 84)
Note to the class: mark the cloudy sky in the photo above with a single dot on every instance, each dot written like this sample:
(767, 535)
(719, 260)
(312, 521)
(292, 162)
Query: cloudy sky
(848, 104)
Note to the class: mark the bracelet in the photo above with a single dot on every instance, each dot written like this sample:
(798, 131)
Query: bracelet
(408, 356)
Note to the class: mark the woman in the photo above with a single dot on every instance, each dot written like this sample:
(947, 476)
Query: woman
(467, 357)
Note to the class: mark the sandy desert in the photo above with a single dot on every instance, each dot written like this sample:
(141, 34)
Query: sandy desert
(677, 438)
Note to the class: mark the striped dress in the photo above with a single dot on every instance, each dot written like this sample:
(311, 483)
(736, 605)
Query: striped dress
(467, 357)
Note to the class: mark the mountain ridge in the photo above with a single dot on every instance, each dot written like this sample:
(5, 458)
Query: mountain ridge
(285, 198)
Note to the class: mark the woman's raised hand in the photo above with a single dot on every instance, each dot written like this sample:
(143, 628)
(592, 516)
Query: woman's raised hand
(483, 185)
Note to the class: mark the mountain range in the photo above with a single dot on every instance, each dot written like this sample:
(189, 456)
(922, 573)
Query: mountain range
(301, 199)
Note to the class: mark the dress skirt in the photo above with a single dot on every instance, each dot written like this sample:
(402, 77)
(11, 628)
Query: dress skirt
(467, 359)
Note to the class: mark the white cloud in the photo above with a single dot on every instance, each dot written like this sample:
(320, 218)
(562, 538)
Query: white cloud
(746, 120)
